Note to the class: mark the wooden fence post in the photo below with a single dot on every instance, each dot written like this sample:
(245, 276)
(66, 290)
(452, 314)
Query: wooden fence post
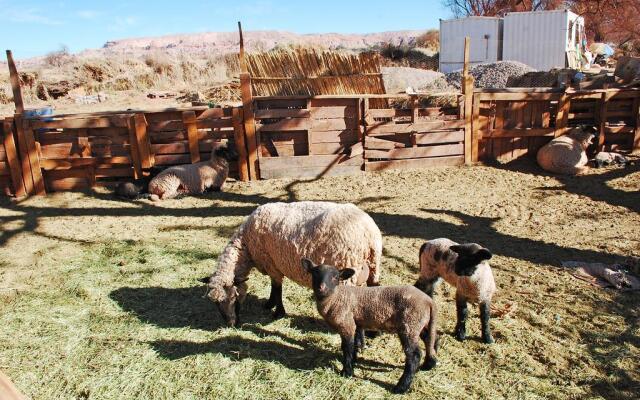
(562, 116)
(133, 147)
(15, 84)
(476, 134)
(602, 120)
(241, 146)
(12, 159)
(23, 128)
(189, 121)
(247, 113)
(144, 143)
(467, 90)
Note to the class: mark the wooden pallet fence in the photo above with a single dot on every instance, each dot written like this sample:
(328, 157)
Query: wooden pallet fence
(307, 137)
(11, 179)
(514, 123)
(414, 137)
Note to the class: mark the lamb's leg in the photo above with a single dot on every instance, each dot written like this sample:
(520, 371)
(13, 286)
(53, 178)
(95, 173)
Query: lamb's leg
(429, 336)
(485, 314)
(413, 354)
(276, 291)
(348, 352)
(279, 312)
(462, 312)
(358, 341)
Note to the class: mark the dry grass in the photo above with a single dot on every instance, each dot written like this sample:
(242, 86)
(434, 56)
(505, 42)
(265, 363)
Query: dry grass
(99, 299)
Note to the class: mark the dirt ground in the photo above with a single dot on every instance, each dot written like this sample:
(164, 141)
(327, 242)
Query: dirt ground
(99, 298)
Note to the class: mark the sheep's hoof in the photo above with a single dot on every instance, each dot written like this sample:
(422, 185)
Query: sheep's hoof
(461, 335)
(279, 313)
(400, 389)
(488, 339)
(429, 363)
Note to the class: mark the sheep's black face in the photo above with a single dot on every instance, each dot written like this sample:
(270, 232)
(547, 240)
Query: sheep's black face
(325, 278)
(227, 152)
(470, 255)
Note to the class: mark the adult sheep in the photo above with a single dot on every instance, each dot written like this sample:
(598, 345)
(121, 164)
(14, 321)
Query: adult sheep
(193, 178)
(567, 154)
(276, 236)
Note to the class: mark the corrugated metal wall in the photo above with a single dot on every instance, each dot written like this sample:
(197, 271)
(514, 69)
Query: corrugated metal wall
(486, 44)
(538, 39)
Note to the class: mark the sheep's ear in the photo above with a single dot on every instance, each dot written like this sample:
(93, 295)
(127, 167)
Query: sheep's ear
(205, 279)
(456, 249)
(346, 274)
(307, 265)
(484, 254)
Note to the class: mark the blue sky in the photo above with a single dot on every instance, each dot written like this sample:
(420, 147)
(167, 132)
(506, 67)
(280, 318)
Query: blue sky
(35, 27)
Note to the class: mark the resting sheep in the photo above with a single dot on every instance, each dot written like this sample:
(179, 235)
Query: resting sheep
(566, 154)
(465, 267)
(277, 235)
(603, 159)
(137, 189)
(349, 310)
(193, 178)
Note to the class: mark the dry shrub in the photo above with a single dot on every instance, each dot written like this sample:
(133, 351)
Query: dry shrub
(144, 81)
(190, 71)
(160, 64)
(429, 40)
(4, 99)
(59, 57)
(122, 84)
(93, 71)
(28, 79)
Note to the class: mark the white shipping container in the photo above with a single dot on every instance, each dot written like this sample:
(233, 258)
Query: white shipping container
(486, 43)
(541, 39)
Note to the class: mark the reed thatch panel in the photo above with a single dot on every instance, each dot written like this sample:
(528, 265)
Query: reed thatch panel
(313, 72)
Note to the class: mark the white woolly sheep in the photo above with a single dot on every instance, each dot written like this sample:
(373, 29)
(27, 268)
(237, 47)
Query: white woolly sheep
(349, 310)
(566, 154)
(193, 178)
(277, 235)
(465, 267)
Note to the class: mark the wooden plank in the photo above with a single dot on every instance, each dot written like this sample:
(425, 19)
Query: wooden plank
(343, 136)
(34, 159)
(468, 110)
(441, 137)
(113, 172)
(323, 125)
(285, 113)
(602, 121)
(15, 84)
(519, 96)
(373, 143)
(387, 128)
(417, 152)
(166, 125)
(252, 137)
(12, 159)
(134, 152)
(415, 163)
(215, 123)
(562, 116)
(143, 141)
(210, 113)
(98, 162)
(25, 165)
(515, 133)
(67, 184)
(476, 132)
(116, 121)
(311, 172)
(331, 112)
(327, 148)
(241, 149)
(189, 121)
(308, 161)
(619, 129)
(293, 124)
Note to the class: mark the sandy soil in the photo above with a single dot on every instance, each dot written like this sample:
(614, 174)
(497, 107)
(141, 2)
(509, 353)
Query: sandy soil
(566, 339)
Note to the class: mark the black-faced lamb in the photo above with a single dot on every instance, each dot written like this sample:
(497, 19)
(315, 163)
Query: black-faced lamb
(193, 178)
(466, 267)
(604, 158)
(137, 189)
(350, 310)
(277, 235)
(567, 154)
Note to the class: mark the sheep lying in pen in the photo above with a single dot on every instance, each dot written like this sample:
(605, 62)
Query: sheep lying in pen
(193, 178)
(404, 310)
(567, 154)
(276, 236)
(465, 267)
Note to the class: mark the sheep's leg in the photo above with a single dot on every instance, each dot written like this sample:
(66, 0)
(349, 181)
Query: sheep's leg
(413, 354)
(358, 342)
(279, 311)
(485, 314)
(276, 291)
(348, 353)
(429, 337)
(462, 312)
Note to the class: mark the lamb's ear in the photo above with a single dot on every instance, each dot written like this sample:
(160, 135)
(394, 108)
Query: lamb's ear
(456, 249)
(346, 274)
(205, 279)
(484, 254)
(307, 265)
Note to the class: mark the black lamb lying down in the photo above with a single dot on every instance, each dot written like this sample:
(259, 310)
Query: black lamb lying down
(350, 310)
(138, 188)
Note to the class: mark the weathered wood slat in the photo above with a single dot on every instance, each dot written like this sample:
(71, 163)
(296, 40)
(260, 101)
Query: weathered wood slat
(417, 127)
(415, 163)
(11, 156)
(98, 162)
(116, 121)
(189, 120)
(241, 146)
(515, 133)
(284, 113)
(214, 123)
(308, 161)
(34, 159)
(417, 152)
(333, 112)
(143, 141)
(373, 143)
(311, 172)
(293, 124)
(343, 136)
(134, 151)
(439, 137)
